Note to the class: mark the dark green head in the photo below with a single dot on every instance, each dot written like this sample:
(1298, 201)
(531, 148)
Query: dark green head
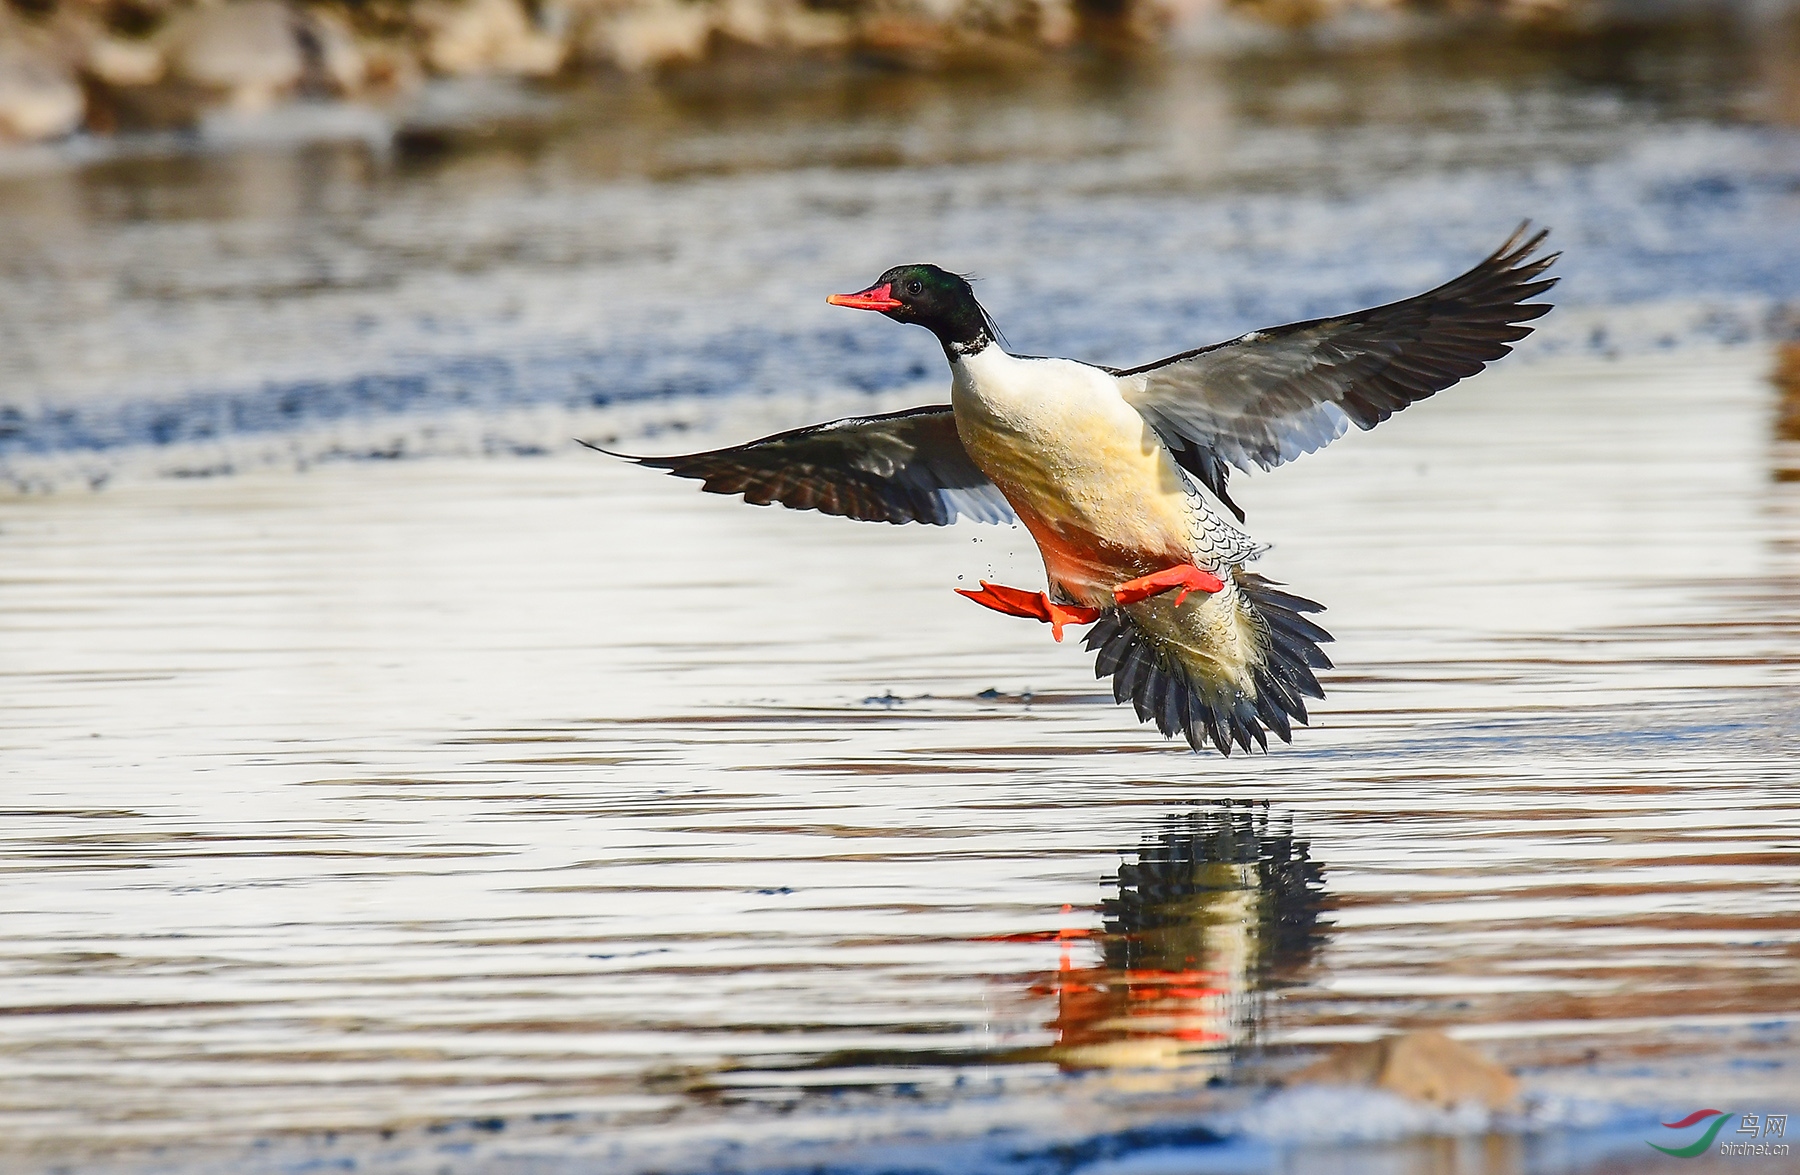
(936, 299)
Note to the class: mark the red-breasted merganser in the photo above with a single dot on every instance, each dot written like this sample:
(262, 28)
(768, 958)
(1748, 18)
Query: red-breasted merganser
(1120, 475)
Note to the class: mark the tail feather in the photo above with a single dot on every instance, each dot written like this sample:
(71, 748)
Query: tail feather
(1112, 653)
(1297, 676)
(1186, 695)
(1273, 717)
(1280, 696)
(1246, 724)
(1301, 635)
(1171, 707)
(1135, 678)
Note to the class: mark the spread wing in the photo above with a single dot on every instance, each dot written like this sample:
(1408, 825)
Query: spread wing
(1275, 394)
(900, 467)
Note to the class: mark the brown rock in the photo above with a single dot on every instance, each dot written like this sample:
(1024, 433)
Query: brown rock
(258, 52)
(1787, 387)
(1299, 13)
(119, 62)
(335, 60)
(389, 67)
(487, 36)
(661, 34)
(250, 50)
(79, 42)
(1290, 13)
(39, 97)
(1426, 1066)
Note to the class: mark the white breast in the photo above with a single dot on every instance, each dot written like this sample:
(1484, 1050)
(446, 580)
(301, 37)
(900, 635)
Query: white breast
(1051, 426)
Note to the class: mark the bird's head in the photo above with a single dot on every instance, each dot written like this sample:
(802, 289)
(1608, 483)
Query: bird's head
(936, 299)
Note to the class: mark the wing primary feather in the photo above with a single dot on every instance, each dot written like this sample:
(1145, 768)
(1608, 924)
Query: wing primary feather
(895, 467)
(1269, 396)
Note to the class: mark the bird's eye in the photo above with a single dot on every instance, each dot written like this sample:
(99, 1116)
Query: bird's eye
(914, 287)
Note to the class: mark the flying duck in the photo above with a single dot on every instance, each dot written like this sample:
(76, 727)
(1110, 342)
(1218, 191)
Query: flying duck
(1120, 475)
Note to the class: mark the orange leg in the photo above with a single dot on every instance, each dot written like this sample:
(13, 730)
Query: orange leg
(1032, 605)
(1187, 577)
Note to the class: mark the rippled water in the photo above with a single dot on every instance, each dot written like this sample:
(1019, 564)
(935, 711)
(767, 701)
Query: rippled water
(547, 816)
(590, 816)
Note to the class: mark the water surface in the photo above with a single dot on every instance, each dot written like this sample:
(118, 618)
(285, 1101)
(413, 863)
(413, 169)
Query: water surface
(558, 805)
(544, 815)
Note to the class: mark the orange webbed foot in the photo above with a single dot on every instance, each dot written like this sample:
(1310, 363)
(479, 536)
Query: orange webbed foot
(1186, 577)
(1031, 605)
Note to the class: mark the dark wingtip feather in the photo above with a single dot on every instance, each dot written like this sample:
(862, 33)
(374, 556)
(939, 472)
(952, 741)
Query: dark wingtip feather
(612, 453)
(894, 467)
(1507, 251)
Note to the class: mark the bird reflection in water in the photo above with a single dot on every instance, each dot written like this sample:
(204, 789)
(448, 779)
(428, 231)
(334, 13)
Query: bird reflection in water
(1221, 906)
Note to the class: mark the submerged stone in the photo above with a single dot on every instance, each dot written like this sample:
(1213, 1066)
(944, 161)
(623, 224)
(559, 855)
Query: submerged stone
(1426, 1066)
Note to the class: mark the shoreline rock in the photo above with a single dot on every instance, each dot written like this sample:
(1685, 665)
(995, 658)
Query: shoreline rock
(38, 98)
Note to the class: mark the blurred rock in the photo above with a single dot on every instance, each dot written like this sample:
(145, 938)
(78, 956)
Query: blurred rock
(1779, 54)
(487, 36)
(658, 34)
(1426, 1066)
(251, 51)
(335, 62)
(259, 52)
(782, 24)
(39, 96)
(1298, 13)
(1787, 387)
(390, 66)
(118, 62)
(1057, 22)
(1002, 32)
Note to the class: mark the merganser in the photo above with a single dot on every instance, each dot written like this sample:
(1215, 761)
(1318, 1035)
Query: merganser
(1120, 474)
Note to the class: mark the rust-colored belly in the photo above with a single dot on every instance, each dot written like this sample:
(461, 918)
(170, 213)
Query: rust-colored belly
(1095, 526)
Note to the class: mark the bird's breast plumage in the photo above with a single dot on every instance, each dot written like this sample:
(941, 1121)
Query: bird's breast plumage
(1089, 478)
